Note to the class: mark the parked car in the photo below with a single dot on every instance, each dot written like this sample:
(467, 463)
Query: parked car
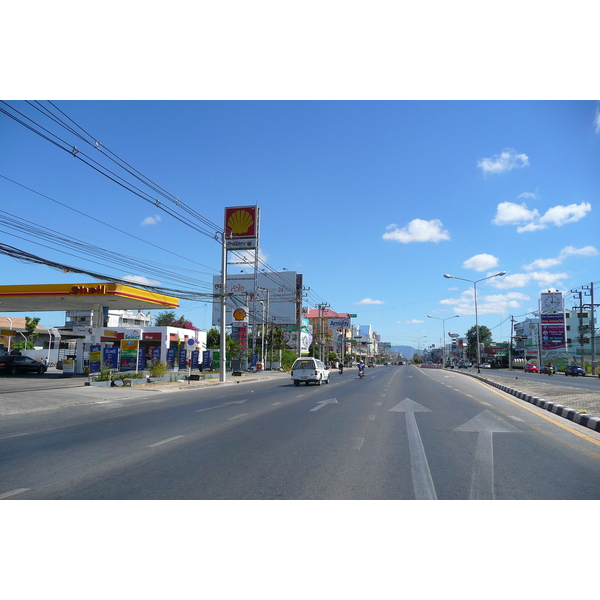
(20, 364)
(486, 366)
(462, 364)
(531, 368)
(574, 370)
(309, 370)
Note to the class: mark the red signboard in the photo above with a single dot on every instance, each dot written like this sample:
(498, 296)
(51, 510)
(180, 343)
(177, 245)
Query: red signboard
(241, 221)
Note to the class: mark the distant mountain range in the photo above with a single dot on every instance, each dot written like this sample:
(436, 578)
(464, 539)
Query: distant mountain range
(406, 351)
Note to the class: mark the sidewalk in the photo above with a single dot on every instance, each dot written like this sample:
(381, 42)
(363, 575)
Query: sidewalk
(576, 404)
(49, 399)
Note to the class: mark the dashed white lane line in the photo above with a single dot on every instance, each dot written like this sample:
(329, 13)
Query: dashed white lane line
(516, 419)
(238, 417)
(358, 444)
(371, 418)
(13, 493)
(164, 441)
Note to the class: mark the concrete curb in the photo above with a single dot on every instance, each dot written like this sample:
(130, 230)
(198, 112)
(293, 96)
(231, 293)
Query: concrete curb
(571, 414)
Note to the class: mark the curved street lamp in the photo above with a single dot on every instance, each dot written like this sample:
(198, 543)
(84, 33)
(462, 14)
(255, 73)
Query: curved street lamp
(444, 336)
(475, 298)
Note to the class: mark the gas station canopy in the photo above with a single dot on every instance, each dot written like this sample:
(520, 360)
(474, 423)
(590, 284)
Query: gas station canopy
(80, 296)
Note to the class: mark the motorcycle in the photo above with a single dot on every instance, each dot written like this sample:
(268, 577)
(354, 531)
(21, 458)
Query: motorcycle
(361, 374)
(341, 369)
(550, 370)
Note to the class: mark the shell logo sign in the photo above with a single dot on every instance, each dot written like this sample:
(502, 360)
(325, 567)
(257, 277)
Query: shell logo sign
(241, 227)
(240, 314)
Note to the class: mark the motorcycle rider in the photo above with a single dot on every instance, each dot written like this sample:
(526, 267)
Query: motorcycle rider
(341, 367)
(361, 368)
(550, 369)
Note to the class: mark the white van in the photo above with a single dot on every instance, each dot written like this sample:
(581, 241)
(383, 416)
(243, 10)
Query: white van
(309, 369)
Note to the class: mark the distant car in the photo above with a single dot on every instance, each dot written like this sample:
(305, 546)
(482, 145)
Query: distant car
(486, 366)
(574, 370)
(462, 364)
(531, 368)
(21, 364)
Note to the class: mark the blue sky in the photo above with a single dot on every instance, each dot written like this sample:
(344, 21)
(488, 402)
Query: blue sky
(372, 201)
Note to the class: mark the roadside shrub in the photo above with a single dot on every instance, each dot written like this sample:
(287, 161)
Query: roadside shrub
(158, 369)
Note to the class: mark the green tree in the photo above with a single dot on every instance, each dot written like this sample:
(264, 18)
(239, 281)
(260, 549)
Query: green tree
(485, 337)
(417, 359)
(31, 328)
(213, 338)
(164, 319)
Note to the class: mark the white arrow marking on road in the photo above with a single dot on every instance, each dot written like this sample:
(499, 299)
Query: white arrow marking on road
(322, 403)
(222, 405)
(486, 423)
(422, 481)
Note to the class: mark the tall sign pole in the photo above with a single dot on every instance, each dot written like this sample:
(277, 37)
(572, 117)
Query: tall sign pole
(240, 233)
(223, 344)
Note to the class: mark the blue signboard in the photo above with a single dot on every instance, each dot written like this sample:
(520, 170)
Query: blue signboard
(254, 360)
(95, 358)
(110, 357)
(206, 360)
(195, 357)
(182, 359)
(171, 358)
(141, 359)
(156, 354)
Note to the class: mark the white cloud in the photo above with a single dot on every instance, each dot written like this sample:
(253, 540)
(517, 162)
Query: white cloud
(152, 220)
(369, 301)
(417, 230)
(490, 304)
(517, 280)
(503, 162)
(597, 120)
(561, 215)
(546, 263)
(411, 322)
(141, 280)
(481, 262)
(532, 195)
(510, 213)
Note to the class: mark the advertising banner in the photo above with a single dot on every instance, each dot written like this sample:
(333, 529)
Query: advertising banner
(110, 357)
(129, 355)
(339, 324)
(141, 360)
(553, 339)
(182, 364)
(206, 362)
(195, 357)
(95, 358)
(171, 358)
(156, 354)
(283, 290)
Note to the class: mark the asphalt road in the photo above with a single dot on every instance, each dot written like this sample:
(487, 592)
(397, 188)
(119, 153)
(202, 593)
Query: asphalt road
(400, 433)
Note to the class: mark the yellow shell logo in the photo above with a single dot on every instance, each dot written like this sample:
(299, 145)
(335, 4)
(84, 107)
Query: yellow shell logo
(239, 314)
(240, 222)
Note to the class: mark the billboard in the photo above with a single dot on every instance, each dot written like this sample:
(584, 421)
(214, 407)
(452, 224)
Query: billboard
(282, 289)
(241, 227)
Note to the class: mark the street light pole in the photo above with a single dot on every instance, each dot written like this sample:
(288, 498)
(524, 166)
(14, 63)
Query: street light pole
(444, 334)
(475, 298)
(418, 343)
